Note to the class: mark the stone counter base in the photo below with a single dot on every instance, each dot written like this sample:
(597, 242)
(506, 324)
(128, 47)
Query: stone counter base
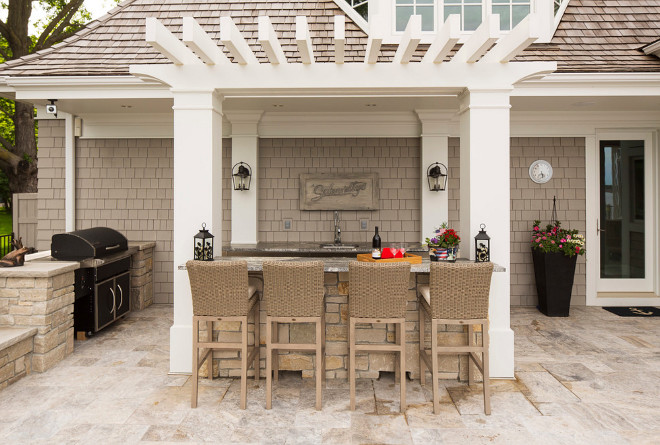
(369, 365)
(16, 347)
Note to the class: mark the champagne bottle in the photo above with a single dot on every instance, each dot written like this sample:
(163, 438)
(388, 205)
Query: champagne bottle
(375, 245)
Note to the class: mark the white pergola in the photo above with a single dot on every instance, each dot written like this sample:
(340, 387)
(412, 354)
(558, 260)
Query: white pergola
(480, 73)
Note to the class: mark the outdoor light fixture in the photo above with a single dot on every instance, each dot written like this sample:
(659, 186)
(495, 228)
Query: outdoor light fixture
(203, 245)
(241, 175)
(437, 176)
(482, 246)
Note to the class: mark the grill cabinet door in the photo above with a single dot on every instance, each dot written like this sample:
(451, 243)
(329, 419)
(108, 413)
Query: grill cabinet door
(123, 293)
(105, 303)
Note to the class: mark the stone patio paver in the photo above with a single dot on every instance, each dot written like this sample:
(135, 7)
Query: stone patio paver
(590, 378)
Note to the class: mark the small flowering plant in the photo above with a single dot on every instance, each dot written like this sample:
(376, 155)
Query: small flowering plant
(554, 238)
(444, 237)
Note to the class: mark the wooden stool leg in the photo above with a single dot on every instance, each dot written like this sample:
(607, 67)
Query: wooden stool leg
(401, 340)
(319, 365)
(485, 341)
(323, 342)
(244, 361)
(257, 340)
(351, 361)
(275, 352)
(209, 361)
(195, 362)
(269, 363)
(470, 334)
(397, 357)
(422, 365)
(434, 366)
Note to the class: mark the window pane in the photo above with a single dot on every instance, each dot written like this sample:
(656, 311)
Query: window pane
(405, 2)
(473, 1)
(403, 14)
(427, 17)
(452, 1)
(519, 13)
(449, 10)
(472, 17)
(505, 20)
(500, 1)
(424, 2)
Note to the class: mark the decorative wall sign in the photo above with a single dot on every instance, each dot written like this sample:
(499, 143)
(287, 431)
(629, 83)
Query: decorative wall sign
(335, 191)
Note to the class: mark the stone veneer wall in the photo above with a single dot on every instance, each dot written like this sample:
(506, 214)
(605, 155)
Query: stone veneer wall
(396, 160)
(368, 365)
(16, 359)
(142, 279)
(45, 303)
(530, 201)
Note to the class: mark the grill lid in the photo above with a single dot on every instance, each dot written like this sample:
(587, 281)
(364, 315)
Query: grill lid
(96, 242)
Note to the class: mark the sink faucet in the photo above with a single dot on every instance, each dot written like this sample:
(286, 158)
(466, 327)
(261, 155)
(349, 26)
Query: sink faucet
(337, 229)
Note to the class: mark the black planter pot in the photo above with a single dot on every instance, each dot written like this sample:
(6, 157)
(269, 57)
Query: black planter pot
(554, 273)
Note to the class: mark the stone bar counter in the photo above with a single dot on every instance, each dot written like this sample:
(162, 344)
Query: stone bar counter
(336, 301)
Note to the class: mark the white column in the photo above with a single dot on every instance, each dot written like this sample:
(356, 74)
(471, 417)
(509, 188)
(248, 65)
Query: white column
(69, 172)
(485, 198)
(244, 204)
(434, 207)
(197, 200)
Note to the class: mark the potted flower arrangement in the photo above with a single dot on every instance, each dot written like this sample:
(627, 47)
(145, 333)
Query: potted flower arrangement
(443, 244)
(554, 252)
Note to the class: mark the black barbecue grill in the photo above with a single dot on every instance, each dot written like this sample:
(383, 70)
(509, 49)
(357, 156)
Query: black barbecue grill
(102, 285)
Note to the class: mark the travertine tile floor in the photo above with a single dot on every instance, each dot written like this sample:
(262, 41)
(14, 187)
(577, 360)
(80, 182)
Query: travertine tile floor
(592, 378)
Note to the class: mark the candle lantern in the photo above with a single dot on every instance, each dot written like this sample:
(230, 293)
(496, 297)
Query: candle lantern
(203, 245)
(482, 246)
(437, 177)
(241, 175)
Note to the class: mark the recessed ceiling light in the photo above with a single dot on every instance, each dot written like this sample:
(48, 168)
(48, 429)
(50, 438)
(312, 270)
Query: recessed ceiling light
(370, 105)
(278, 105)
(127, 106)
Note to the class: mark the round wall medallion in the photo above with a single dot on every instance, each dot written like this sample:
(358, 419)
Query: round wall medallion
(540, 171)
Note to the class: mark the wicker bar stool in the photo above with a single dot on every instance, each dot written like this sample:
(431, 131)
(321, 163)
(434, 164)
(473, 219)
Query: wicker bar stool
(221, 292)
(377, 294)
(457, 294)
(294, 293)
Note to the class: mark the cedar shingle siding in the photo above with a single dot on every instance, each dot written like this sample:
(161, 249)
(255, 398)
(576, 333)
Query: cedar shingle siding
(594, 36)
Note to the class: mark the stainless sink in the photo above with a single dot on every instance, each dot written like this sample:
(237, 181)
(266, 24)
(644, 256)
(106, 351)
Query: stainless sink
(339, 246)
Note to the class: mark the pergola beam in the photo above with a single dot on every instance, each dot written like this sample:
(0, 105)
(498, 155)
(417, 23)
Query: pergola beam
(231, 37)
(269, 42)
(447, 38)
(373, 49)
(163, 41)
(480, 41)
(340, 38)
(514, 43)
(304, 40)
(199, 41)
(409, 40)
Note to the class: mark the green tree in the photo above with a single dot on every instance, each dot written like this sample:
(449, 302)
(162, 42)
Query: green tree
(18, 145)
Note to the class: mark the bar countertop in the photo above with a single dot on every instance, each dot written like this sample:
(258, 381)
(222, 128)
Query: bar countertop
(310, 248)
(331, 264)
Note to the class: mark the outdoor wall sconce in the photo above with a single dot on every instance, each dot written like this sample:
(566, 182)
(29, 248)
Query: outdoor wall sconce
(482, 246)
(437, 176)
(203, 245)
(241, 175)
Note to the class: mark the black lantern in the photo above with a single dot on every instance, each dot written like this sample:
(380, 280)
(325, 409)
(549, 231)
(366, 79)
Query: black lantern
(437, 176)
(203, 245)
(241, 174)
(482, 246)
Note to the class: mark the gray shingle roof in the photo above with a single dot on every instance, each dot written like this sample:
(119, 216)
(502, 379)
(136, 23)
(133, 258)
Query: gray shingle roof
(594, 36)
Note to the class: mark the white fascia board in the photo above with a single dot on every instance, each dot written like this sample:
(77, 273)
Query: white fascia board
(87, 87)
(591, 84)
(352, 13)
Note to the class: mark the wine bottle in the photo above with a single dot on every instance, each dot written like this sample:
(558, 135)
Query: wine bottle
(375, 246)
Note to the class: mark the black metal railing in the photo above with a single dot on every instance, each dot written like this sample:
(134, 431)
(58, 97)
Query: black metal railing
(6, 244)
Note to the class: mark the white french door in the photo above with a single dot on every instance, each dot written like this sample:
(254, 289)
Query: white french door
(625, 229)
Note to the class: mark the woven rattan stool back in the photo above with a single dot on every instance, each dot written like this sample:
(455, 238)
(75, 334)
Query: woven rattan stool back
(459, 291)
(293, 289)
(378, 289)
(219, 288)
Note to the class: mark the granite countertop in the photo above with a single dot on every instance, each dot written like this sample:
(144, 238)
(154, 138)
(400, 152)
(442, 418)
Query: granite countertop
(39, 269)
(332, 264)
(310, 248)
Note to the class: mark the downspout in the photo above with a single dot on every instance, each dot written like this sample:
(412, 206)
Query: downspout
(69, 172)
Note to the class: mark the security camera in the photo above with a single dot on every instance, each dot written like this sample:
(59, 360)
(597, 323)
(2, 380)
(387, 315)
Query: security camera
(51, 109)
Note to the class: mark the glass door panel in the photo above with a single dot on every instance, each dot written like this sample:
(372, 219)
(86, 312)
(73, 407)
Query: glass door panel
(623, 229)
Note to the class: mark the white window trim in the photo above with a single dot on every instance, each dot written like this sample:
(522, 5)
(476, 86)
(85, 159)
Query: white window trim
(559, 15)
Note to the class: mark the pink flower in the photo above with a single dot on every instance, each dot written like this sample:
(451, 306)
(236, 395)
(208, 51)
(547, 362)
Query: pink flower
(540, 245)
(563, 240)
(552, 241)
(568, 236)
(544, 238)
(536, 228)
(560, 246)
(577, 249)
(538, 240)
